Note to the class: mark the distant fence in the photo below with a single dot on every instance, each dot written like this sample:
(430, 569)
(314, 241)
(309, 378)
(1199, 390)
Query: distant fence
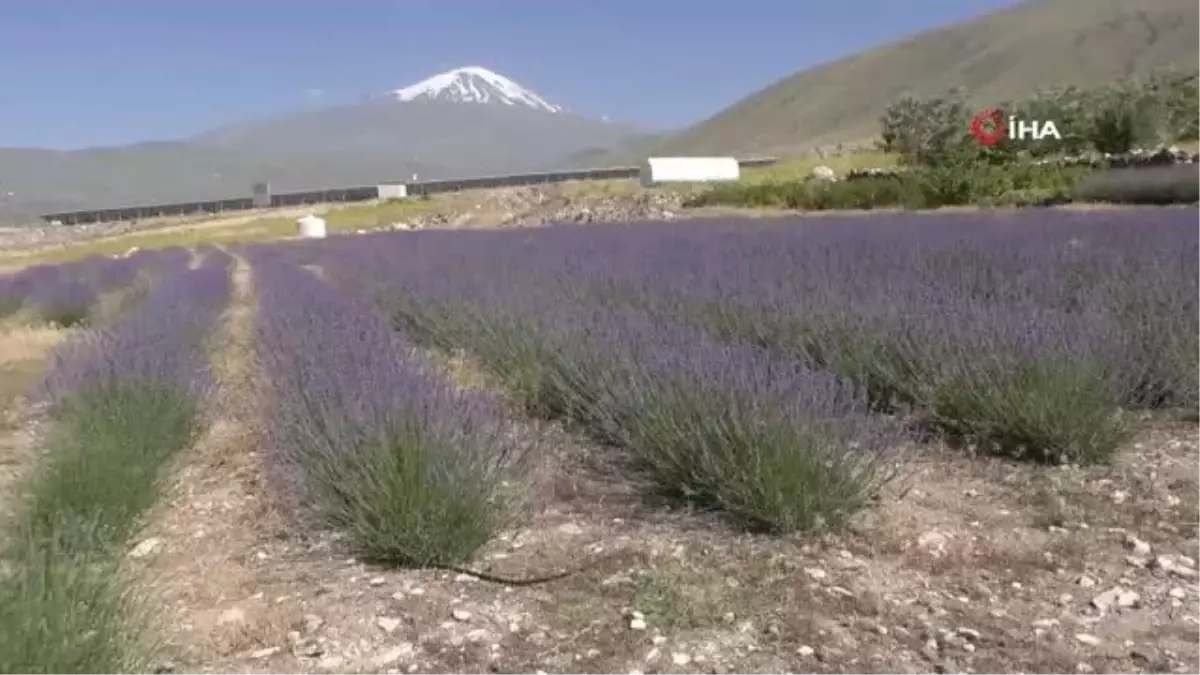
(355, 194)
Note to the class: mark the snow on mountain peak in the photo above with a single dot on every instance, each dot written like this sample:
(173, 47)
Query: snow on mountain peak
(473, 84)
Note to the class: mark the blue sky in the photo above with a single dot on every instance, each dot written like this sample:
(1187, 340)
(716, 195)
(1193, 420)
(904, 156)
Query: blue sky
(80, 73)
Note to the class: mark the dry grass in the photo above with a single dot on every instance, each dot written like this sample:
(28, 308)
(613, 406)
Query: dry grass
(23, 353)
(240, 229)
(799, 168)
(380, 214)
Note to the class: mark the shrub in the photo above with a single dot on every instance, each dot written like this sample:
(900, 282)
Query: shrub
(920, 188)
(367, 436)
(1128, 113)
(1048, 411)
(65, 304)
(1159, 185)
(65, 295)
(774, 444)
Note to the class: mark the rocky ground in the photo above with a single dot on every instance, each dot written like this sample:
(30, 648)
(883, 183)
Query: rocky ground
(966, 566)
(519, 206)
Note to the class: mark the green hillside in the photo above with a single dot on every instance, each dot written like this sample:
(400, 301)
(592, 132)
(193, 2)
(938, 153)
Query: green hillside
(1008, 54)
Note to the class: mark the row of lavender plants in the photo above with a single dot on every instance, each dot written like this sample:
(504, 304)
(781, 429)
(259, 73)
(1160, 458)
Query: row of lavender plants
(770, 440)
(367, 437)
(121, 401)
(1024, 334)
(67, 294)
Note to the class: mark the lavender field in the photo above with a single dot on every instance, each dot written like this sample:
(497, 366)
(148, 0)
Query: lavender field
(835, 445)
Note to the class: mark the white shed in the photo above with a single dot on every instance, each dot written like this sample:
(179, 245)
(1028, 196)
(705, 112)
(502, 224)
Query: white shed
(688, 170)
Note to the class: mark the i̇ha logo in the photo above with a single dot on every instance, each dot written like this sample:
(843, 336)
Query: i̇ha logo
(989, 127)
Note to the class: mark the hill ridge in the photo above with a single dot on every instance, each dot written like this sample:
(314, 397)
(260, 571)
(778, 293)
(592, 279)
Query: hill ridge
(1005, 54)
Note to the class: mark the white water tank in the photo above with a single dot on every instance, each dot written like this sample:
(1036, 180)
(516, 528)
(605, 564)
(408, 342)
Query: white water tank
(311, 227)
(657, 170)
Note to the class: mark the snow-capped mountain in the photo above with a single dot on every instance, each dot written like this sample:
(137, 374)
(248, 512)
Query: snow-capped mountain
(466, 122)
(473, 84)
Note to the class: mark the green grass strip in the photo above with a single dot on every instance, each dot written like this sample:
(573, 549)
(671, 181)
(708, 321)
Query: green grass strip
(64, 604)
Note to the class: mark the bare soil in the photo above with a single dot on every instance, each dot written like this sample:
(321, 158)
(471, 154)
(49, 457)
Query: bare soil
(23, 353)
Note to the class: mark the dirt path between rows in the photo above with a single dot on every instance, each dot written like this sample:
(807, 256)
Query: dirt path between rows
(203, 543)
(23, 355)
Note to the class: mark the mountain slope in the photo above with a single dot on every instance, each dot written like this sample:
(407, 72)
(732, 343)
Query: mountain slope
(470, 120)
(466, 122)
(465, 138)
(999, 56)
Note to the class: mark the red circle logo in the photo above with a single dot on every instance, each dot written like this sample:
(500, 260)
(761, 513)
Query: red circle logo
(988, 127)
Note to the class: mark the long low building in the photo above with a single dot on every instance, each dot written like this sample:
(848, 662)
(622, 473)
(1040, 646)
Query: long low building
(262, 196)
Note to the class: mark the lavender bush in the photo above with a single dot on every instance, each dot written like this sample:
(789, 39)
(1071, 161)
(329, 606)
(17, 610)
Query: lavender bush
(16, 288)
(65, 304)
(137, 384)
(105, 273)
(769, 441)
(65, 295)
(772, 442)
(368, 436)
(161, 345)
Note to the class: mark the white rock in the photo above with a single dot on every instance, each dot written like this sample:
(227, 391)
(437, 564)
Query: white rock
(461, 615)
(146, 547)
(232, 615)
(333, 663)
(969, 633)
(387, 623)
(1173, 566)
(1086, 582)
(637, 624)
(1137, 546)
(394, 655)
(1177, 593)
(1119, 597)
(570, 529)
(265, 653)
(822, 172)
(1085, 638)
(309, 649)
(680, 659)
(805, 650)
(933, 541)
(377, 581)
(1128, 598)
(815, 573)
